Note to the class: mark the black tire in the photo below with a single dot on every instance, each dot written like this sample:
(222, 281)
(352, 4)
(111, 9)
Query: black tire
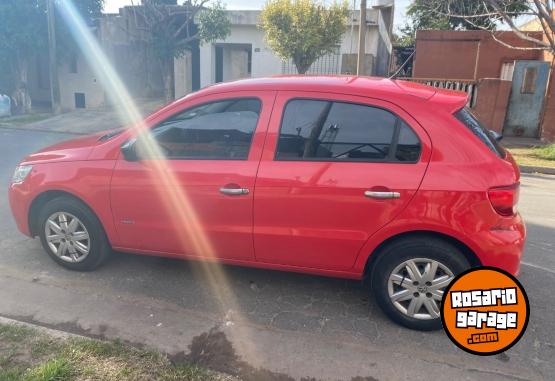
(99, 247)
(400, 251)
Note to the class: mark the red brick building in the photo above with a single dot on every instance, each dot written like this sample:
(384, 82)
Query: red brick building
(468, 54)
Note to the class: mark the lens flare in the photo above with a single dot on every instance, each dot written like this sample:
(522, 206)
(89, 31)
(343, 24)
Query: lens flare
(173, 197)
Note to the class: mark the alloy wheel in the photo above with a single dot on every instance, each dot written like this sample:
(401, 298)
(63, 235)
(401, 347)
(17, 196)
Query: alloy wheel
(416, 287)
(67, 237)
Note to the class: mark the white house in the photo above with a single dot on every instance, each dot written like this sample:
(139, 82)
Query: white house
(244, 53)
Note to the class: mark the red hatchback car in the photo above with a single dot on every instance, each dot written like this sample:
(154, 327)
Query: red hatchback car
(340, 176)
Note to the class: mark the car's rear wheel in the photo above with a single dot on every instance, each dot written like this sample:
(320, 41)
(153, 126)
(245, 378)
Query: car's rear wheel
(410, 276)
(72, 235)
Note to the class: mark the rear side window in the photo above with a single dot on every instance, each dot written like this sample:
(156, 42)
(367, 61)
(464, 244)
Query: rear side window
(474, 125)
(337, 131)
(408, 145)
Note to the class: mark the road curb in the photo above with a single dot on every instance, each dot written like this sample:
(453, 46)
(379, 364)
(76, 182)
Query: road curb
(532, 169)
(47, 331)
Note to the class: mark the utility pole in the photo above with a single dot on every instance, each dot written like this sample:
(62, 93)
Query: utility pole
(361, 39)
(52, 61)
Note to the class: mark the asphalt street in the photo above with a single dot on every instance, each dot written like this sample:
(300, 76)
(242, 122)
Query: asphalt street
(286, 326)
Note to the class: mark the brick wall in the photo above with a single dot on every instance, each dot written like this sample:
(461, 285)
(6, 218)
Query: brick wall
(459, 54)
(476, 55)
(491, 102)
(547, 128)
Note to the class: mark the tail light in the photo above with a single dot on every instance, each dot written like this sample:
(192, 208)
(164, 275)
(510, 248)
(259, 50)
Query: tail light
(504, 199)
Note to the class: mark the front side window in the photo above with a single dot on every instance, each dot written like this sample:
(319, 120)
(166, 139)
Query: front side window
(221, 130)
(339, 131)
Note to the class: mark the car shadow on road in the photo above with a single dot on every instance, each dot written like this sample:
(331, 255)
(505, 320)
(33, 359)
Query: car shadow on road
(272, 298)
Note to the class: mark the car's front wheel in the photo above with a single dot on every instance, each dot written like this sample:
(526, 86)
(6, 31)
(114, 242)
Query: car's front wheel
(409, 279)
(72, 235)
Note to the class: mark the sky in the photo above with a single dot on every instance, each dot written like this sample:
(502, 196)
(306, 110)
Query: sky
(112, 6)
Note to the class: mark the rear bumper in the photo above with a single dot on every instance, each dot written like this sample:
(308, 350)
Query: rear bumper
(503, 245)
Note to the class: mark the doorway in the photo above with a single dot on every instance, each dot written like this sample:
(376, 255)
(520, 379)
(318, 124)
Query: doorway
(233, 61)
(527, 99)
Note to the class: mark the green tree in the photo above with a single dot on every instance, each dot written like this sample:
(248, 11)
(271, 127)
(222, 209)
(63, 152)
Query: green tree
(161, 2)
(23, 32)
(458, 15)
(66, 46)
(463, 14)
(170, 31)
(487, 15)
(303, 30)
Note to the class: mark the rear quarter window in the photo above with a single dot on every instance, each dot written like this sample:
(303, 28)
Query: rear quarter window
(473, 124)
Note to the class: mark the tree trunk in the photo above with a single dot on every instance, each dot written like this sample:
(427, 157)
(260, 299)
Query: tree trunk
(167, 78)
(301, 63)
(302, 68)
(20, 97)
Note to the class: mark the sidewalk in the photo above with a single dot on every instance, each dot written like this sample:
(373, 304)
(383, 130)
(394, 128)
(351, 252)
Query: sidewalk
(85, 121)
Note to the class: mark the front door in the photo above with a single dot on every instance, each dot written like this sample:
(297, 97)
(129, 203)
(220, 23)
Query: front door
(335, 169)
(527, 99)
(197, 199)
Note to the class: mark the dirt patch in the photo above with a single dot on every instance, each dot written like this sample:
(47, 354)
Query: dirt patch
(213, 350)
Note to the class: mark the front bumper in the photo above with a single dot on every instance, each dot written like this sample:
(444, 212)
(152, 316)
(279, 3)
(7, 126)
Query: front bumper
(20, 202)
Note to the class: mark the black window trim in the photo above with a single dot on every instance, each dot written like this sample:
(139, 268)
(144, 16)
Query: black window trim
(390, 159)
(208, 103)
(493, 146)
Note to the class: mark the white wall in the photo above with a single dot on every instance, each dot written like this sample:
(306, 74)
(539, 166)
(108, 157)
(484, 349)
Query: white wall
(349, 44)
(264, 61)
(183, 75)
(84, 81)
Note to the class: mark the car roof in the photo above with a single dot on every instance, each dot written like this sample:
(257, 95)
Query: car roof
(373, 87)
(354, 85)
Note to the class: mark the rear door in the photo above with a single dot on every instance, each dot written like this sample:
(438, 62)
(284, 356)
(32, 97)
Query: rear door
(335, 169)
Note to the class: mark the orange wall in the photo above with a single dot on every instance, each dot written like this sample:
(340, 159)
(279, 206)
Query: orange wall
(547, 130)
(453, 54)
(491, 103)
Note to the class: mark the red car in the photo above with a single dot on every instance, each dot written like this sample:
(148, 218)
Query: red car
(338, 176)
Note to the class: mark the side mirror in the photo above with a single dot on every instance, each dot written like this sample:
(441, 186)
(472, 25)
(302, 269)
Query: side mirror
(128, 151)
(496, 135)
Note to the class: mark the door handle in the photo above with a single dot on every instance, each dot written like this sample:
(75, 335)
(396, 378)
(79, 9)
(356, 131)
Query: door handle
(234, 191)
(382, 195)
